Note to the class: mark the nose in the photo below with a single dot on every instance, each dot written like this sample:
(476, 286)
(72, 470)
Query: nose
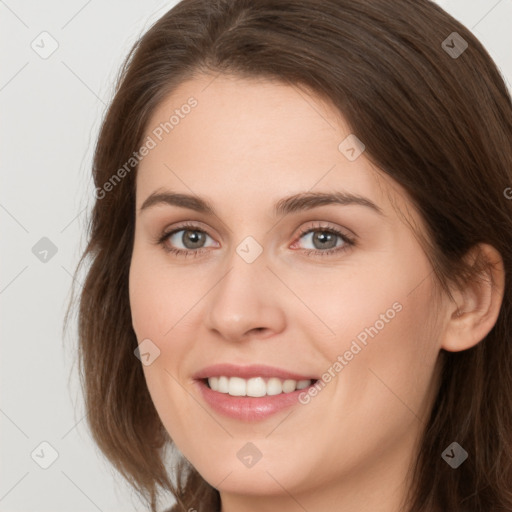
(246, 302)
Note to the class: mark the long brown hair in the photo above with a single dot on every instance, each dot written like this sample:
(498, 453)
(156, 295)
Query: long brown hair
(438, 123)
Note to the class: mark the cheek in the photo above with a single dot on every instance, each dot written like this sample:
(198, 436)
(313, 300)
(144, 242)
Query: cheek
(347, 301)
(383, 383)
(381, 321)
(158, 300)
(159, 296)
(391, 347)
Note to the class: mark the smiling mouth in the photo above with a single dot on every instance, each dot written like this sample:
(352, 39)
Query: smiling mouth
(255, 386)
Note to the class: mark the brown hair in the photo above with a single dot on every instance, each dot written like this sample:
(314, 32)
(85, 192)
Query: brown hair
(440, 126)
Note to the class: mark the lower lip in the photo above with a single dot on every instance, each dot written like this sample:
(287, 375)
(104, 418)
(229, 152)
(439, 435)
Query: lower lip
(247, 408)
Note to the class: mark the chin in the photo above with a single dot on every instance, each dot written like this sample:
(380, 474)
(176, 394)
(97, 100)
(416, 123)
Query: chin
(262, 479)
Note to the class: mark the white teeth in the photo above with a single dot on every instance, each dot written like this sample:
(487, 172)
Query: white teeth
(274, 386)
(223, 386)
(214, 382)
(256, 386)
(303, 384)
(237, 386)
(289, 386)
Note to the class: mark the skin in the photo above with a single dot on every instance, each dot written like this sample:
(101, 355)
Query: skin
(247, 144)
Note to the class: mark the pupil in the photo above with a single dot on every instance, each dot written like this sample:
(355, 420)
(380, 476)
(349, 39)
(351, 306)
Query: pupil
(192, 237)
(324, 236)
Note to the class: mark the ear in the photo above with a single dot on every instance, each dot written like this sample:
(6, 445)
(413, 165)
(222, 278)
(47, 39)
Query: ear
(476, 307)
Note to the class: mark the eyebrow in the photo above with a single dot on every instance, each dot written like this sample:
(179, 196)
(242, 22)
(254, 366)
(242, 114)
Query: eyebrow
(295, 203)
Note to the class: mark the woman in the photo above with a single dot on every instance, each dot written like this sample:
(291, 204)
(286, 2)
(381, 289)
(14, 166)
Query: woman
(300, 254)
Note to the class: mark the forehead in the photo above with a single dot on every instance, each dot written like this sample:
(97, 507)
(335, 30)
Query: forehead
(248, 142)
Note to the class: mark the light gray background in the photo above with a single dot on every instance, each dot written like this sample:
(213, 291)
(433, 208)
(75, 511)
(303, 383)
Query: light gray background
(50, 115)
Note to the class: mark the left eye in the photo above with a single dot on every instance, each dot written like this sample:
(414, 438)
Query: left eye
(324, 239)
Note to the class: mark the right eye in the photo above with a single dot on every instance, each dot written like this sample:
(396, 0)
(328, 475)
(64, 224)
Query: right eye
(190, 236)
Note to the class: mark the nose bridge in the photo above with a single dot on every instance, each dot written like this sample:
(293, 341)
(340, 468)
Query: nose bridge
(243, 300)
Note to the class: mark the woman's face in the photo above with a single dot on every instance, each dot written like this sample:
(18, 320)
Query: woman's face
(338, 291)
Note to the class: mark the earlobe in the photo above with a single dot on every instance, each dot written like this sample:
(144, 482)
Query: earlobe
(476, 307)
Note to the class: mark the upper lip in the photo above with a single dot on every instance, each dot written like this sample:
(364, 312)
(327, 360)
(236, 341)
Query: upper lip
(247, 372)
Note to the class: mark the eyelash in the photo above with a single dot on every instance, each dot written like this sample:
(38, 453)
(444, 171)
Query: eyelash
(348, 241)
